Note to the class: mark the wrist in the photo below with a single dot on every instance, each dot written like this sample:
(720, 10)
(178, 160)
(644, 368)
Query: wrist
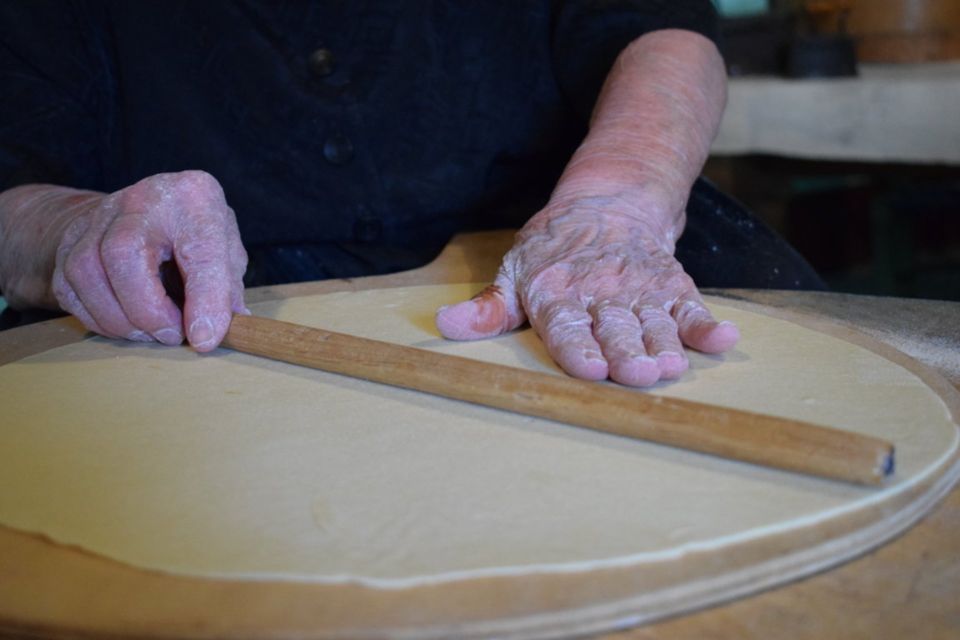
(650, 133)
(641, 194)
(33, 221)
(611, 217)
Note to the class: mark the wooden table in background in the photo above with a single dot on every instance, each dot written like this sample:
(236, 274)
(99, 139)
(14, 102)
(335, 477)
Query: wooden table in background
(904, 113)
(909, 588)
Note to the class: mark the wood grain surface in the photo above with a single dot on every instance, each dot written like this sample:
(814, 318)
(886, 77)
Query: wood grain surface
(908, 588)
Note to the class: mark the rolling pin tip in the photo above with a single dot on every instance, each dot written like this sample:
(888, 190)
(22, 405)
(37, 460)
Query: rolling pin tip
(889, 464)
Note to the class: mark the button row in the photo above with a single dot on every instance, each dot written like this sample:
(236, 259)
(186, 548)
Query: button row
(338, 148)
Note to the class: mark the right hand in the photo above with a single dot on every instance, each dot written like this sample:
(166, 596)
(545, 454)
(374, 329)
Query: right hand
(108, 262)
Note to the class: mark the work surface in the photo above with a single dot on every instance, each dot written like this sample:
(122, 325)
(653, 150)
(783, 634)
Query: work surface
(909, 586)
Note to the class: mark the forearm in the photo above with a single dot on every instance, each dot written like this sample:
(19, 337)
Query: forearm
(651, 131)
(594, 270)
(33, 219)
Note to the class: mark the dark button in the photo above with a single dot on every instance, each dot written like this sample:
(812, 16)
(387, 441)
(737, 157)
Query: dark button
(367, 229)
(321, 62)
(338, 149)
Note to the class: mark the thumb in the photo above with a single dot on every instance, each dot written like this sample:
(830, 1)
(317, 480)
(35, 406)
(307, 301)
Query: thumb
(493, 311)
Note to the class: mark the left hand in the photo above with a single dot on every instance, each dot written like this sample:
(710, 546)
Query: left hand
(606, 298)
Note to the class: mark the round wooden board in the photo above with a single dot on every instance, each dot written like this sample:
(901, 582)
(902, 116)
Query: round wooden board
(51, 590)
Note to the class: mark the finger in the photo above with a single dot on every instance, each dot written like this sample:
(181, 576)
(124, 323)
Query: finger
(70, 302)
(566, 329)
(62, 291)
(82, 268)
(620, 336)
(493, 311)
(699, 330)
(663, 342)
(210, 289)
(132, 251)
(238, 267)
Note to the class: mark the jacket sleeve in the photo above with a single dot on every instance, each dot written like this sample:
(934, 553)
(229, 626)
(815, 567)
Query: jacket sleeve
(589, 34)
(55, 108)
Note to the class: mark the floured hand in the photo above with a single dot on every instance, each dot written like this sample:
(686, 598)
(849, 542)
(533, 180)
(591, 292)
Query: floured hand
(594, 271)
(109, 259)
(607, 298)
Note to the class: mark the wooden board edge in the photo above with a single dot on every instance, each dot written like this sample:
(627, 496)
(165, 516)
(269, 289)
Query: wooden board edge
(591, 602)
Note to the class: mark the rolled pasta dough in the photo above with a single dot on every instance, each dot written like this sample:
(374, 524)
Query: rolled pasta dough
(229, 466)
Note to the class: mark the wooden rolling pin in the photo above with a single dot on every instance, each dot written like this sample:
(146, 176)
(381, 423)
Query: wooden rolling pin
(729, 433)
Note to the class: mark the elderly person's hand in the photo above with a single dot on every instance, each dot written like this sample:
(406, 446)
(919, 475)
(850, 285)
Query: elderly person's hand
(99, 256)
(605, 297)
(594, 271)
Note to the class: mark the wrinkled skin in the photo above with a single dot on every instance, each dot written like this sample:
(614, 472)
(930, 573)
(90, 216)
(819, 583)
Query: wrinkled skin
(594, 272)
(605, 298)
(107, 265)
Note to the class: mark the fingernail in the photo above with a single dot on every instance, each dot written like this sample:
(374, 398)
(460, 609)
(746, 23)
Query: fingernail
(139, 336)
(590, 354)
(201, 332)
(169, 336)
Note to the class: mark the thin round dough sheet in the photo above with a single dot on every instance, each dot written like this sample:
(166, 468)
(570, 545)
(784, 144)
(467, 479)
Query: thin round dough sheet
(230, 466)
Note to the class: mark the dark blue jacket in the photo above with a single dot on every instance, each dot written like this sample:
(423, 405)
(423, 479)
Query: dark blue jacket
(351, 137)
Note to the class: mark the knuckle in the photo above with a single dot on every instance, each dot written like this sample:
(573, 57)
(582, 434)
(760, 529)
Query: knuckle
(563, 320)
(120, 244)
(202, 255)
(550, 276)
(198, 185)
(75, 231)
(612, 320)
(540, 288)
(135, 196)
(691, 312)
(683, 282)
(167, 191)
(80, 266)
(197, 179)
(653, 318)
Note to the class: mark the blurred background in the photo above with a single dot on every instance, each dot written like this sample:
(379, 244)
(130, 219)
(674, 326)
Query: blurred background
(842, 132)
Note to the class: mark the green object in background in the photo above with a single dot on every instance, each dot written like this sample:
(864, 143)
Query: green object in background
(3, 304)
(741, 8)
